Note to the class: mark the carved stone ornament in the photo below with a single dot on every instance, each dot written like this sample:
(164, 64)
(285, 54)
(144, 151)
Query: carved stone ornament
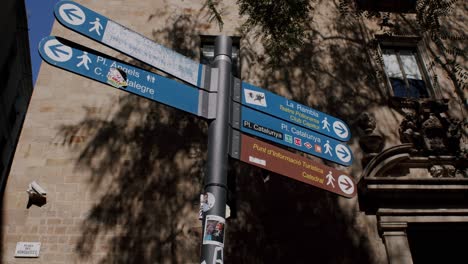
(442, 171)
(426, 126)
(434, 137)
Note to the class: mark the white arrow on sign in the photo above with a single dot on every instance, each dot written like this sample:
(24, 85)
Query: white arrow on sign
(57, 51)
(346, 184)
(72, 14)
(340, 129)
(343, 153)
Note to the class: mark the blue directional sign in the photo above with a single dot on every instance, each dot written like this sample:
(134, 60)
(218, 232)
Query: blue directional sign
(106, 31)
(256, 123)
(278, 106)
(126, 77)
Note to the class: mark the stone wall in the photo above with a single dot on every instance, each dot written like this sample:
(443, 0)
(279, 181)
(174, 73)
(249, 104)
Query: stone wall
(123, 175)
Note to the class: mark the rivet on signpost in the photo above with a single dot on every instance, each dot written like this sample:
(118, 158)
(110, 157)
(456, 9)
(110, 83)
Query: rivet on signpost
(217, 163)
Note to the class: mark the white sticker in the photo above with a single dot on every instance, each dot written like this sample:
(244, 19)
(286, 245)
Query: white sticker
(255, 98)
(257, 160)
(214, 230)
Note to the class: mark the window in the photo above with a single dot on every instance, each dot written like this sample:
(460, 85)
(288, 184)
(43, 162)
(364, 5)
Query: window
(399, 6)
(207, 52)
(404, 72)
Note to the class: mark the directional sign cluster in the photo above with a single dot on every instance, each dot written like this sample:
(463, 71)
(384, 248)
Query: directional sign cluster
(125, 77)
(255, 111)
(278, 106)
(285, 133)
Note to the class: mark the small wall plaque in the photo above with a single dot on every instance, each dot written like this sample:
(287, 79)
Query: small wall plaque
(27, 249)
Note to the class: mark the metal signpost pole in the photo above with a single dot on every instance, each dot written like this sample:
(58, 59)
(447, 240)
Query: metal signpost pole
(217, 163)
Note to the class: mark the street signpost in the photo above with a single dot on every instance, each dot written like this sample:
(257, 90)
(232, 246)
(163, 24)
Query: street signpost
(283, 108)
(128, 78)
(262, 113)
(102, 29)
(289, 164)
(279, 131)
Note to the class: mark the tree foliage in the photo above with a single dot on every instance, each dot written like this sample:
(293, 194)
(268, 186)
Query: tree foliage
(283, 26)
(215, 13)
(282, 23)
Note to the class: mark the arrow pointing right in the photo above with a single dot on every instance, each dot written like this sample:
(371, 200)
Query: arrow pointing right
(341, 129)
(347, 184)
(71, 13)
(343, 153)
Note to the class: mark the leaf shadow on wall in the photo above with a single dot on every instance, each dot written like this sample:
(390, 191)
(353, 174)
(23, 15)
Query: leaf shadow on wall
(149, 174)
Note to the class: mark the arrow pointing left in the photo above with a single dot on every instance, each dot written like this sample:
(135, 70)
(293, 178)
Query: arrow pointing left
(71, 13)
(126, 77)
(57, 51)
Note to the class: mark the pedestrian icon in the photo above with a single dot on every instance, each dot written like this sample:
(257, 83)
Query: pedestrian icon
(330, 179)
(96, 26)
(57, 51)
(326, 125)
(328, 148)
(84, 60)
(72, 14)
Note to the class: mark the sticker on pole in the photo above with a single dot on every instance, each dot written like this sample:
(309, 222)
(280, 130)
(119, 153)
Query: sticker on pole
(214, 230)
(207, 200)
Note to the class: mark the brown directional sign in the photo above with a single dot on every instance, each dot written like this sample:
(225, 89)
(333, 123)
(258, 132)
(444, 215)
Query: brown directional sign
(289, 164)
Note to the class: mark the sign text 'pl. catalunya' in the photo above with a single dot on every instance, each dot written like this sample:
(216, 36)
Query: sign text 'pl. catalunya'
(279, 131)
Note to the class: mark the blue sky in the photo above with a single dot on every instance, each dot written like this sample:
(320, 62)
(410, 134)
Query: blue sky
(40, 18)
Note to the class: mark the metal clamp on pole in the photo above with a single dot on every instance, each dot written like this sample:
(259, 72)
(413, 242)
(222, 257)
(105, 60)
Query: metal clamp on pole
(215, 195)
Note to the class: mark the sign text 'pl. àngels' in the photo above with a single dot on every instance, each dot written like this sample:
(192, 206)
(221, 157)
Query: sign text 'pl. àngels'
(126, 77)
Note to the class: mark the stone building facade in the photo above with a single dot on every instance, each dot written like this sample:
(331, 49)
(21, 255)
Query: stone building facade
(123, 175)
